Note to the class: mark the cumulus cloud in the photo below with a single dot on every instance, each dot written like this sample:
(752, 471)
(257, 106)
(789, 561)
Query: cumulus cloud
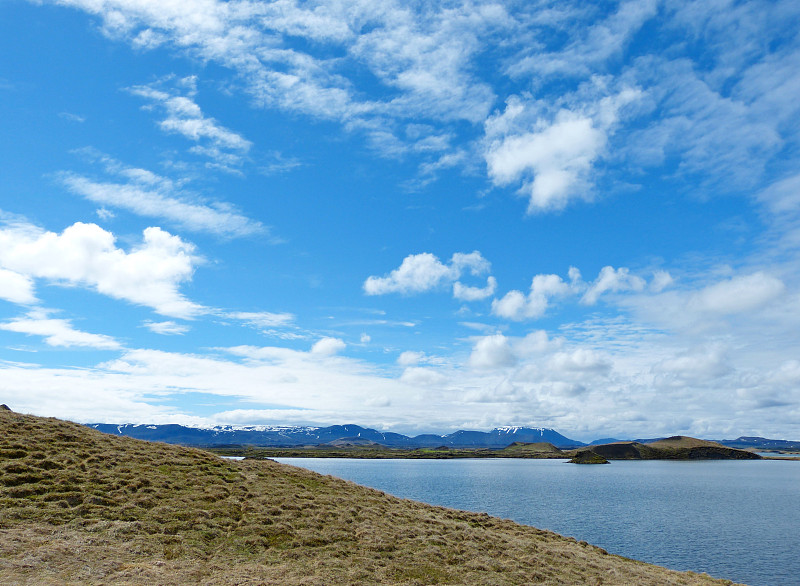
(417, 273)
(58, 332)
(423, 272)
(150, 274)
(467, 293)
(552, 155)
(518, 306)
(558, 155)
(580, 360)
(515, 305)
(328, 347)
(492, 352)
(613, 280)
(16, 288)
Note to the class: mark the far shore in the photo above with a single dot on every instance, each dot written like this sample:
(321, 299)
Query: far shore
(674, 448)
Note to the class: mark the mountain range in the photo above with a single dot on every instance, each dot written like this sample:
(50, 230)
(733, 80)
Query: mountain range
(289, 436)
(284, 436)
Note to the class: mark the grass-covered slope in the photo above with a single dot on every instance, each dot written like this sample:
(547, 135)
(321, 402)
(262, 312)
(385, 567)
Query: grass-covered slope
(81, 507)
(673, 448)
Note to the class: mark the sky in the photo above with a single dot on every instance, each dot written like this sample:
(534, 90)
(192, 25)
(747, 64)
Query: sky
(411, 216)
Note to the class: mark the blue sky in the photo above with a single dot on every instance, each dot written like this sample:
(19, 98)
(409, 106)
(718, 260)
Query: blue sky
(418, 217)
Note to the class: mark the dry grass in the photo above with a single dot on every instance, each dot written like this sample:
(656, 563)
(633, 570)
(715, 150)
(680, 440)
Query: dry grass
(682, 441)
(81, 507)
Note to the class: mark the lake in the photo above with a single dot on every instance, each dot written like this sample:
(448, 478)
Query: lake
(738, 520)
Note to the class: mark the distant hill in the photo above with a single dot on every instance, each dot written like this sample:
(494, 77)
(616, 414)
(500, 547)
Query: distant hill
(760, 443)
(285, 436)
(82, 507)
(606, 440)
(672, 448)
(522, 450)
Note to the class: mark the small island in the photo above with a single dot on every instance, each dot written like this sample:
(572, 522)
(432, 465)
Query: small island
(588, 457)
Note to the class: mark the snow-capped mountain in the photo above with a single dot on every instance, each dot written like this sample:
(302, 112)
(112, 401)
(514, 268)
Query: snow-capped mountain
(298, 436)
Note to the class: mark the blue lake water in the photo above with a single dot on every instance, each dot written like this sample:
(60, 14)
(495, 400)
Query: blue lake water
(738, 520)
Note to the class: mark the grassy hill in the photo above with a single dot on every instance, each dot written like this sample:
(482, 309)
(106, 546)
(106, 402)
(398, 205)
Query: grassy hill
(81, 507)
(673, 448)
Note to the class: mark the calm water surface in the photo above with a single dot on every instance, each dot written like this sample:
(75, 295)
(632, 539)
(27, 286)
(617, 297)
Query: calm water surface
(735, 520)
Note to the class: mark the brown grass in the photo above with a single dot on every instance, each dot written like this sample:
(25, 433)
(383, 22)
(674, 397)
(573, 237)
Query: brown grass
(682, 441)
(81, 507)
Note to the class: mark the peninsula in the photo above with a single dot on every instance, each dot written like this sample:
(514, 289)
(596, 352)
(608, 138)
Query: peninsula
(80, 506)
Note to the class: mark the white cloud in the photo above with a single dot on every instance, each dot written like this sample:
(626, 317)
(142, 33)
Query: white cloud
(262, 319)
(16, 288)
(184, 116)
(417, 273)
(738, 294)
(661, 280)
(277, 163)
(467, 293)
(72, 117)
(580, 360)
(150, 195)
(723, 114)
(720, 141)
(492, 352)
(422, 62)
(410, 358)
(533, 344)
(781, 200)
(166, 328)
(105, 214)
(86, 255)
(553, 154)
(422, 376)
(783, 196)
(596, 42)
(473, 261)
(695, 365)
(515, 305)
(558, 155)
(328, 347)
(58, 332)
(614, 280)
(423, 272)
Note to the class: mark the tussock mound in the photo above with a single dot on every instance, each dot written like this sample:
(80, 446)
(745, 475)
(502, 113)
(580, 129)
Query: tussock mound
(81, 507)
